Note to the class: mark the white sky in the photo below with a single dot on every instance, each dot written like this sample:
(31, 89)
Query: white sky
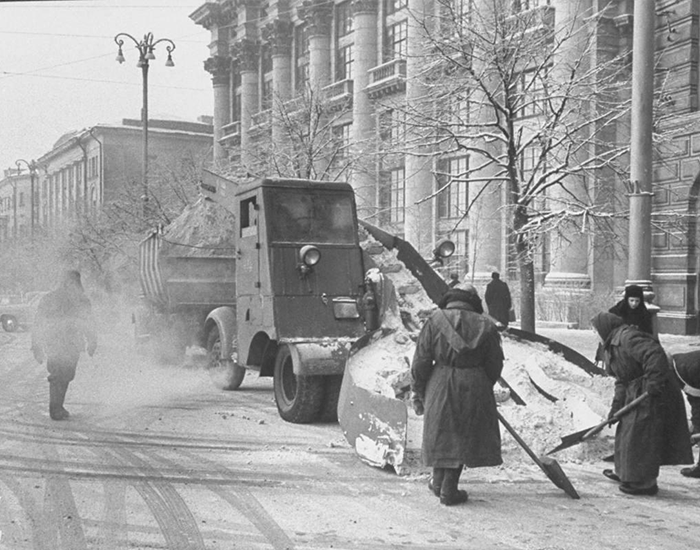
(58, 68)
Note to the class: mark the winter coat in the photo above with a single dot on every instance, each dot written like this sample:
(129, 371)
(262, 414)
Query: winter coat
(498, 300)
(640, 317)
(656, 432)
(64, 325)
(687, 369)
(454, 378)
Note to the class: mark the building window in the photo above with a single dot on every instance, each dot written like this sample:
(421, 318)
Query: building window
(344, 65)
(397, 194)
(397, 41)
(266, 96)
(341, 138)
(452, 180)
(395, 5)
(523, 5)
(301, 57)
(529, 93)
(21, 199)
(343, 19)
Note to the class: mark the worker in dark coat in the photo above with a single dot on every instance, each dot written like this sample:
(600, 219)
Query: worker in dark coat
(498, 299)
(633, 309)
(62, 330)
(687, 369)
(654, 433)
(457, 361)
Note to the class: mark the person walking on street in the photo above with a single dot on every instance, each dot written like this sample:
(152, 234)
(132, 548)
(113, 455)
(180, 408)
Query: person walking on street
(63, 328)
(498, 300)
(655, 433)
(457, 361)
(687, 369)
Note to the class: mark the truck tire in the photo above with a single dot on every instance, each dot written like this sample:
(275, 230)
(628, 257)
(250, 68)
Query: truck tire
(225, 373)
(299, 398)
(9, 323)
(329, 409)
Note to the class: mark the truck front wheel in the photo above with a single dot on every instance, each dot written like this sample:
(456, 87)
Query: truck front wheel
(226, 374)
(299, 398)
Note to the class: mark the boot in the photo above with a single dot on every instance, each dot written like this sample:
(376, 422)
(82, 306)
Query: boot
(435, 483)
(693, 471)
(449, 492)
(57, 393)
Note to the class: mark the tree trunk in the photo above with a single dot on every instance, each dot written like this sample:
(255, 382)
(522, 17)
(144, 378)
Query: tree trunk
(527, 288)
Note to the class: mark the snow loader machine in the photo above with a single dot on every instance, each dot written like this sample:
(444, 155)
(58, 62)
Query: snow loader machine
(266, 275)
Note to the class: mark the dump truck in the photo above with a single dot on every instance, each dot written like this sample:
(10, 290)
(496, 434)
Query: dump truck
(269, 276)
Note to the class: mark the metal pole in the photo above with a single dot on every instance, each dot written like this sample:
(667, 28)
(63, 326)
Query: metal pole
(639, 266)
(144, 122)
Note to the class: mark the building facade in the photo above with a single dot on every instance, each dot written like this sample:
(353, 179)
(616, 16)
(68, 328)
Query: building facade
(86, 168)
(369, 52)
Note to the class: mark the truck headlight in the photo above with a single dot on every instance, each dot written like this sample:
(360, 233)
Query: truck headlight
(309, 255)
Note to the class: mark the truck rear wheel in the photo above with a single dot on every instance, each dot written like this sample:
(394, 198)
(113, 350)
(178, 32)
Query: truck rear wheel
(226, 374)
(299, 398)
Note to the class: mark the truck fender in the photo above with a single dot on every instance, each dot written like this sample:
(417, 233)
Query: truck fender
(225, 319)
(326, 357)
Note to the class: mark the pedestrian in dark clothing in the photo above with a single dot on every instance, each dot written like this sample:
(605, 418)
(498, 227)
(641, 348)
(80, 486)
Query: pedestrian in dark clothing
(633, 310)
(454, 280)
(687, 369)
(457, 361)
(655, 433)
(63, 328)
(498, 300)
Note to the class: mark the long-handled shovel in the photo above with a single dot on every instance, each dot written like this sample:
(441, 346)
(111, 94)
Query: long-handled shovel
(577, 437)
(549, 466)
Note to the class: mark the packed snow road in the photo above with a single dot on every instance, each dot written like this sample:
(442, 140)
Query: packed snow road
(155, 457)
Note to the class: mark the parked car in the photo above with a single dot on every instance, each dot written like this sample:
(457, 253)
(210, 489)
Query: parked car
(20, 314)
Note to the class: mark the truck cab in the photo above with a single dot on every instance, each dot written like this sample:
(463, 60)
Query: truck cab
(299, 279)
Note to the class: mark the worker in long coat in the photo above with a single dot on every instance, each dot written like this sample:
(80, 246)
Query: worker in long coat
(687, 369)
(654, 433)
(457, 361)
(63, 329)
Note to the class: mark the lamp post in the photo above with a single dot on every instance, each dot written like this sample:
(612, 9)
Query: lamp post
(31, 166)
(145, 48)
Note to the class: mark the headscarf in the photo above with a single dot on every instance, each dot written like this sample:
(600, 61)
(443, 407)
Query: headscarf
(605, 323)
(635, 291)
(464, 292)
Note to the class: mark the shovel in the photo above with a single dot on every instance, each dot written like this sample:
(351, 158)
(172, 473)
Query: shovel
(577, 437)
(549, 466)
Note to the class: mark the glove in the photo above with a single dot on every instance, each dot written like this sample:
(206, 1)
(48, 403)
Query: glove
(611, 416)
(38, 354)
(418, 406)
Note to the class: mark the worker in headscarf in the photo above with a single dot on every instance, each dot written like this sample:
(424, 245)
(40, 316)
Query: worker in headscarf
(63, 328)
(457, 361)
(687, 369)
(655, 432)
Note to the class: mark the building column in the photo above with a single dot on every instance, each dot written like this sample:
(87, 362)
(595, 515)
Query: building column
(219, 67)
(569, 253)
(364, 178)
(419, 169)
(247, 53)
(279, 35)
(318, 15)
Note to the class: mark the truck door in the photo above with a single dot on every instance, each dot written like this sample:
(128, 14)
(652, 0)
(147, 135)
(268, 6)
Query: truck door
(248, 310)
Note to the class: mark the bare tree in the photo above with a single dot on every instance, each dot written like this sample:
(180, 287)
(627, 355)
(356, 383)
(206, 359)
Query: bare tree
(536, 105)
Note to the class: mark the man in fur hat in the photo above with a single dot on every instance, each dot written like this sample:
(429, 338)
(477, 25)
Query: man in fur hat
(457, 361)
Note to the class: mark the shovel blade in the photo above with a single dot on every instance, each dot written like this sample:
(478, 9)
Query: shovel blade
(554, 472)
(570, 440)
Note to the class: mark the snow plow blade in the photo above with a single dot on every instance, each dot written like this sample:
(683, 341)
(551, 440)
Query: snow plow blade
(375, 425)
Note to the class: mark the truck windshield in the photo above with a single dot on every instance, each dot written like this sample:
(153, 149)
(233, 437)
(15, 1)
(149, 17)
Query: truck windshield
(311, 216)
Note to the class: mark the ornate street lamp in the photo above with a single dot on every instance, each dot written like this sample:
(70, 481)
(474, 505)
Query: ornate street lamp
(145, 47)
(31, 166)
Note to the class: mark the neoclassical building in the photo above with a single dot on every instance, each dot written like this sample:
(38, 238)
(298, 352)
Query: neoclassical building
(367, 52)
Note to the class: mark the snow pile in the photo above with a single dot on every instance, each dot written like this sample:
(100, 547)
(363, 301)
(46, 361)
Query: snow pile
(560, 398)
(203, 229)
